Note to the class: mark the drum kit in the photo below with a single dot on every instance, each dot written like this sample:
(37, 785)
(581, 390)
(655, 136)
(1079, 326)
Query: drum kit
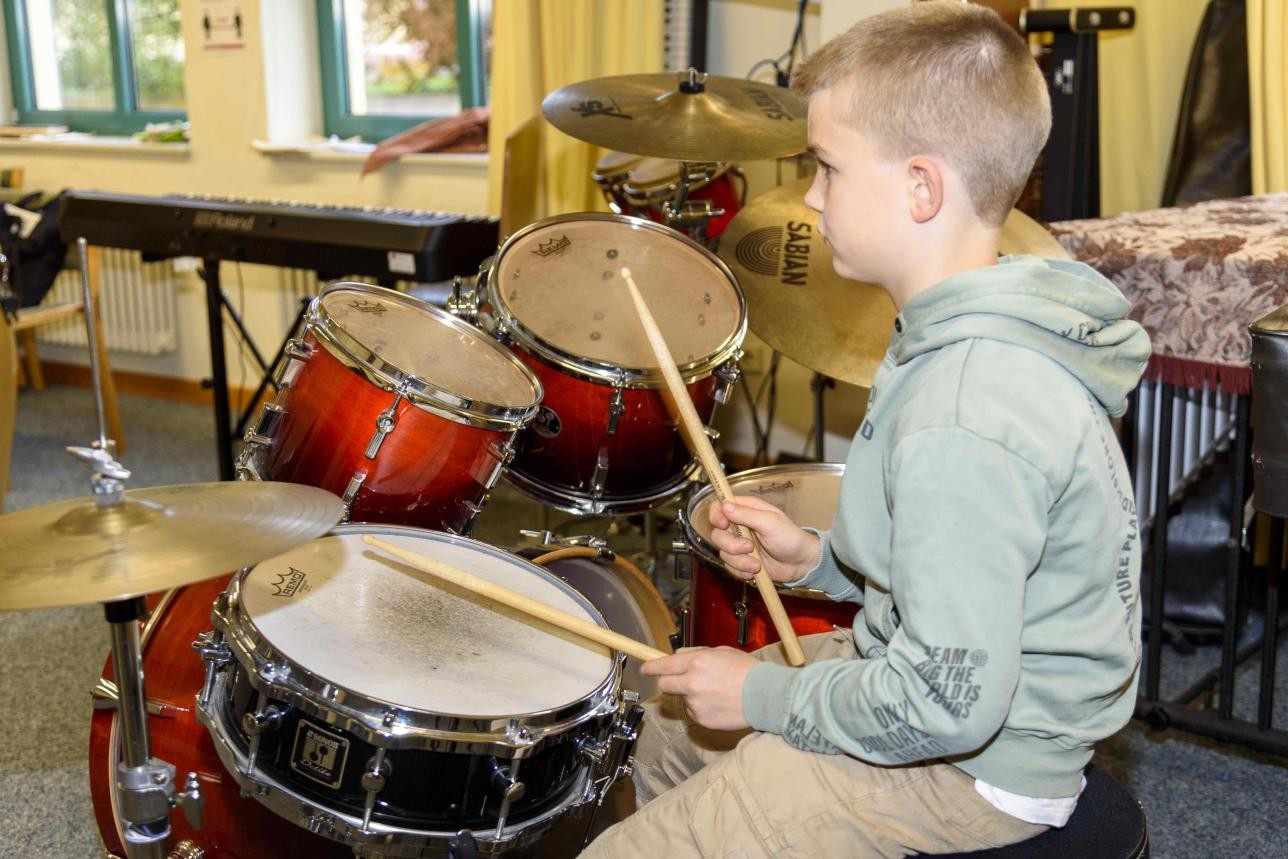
(340, 703)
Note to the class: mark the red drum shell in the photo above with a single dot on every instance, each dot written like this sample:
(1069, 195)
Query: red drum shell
(722, 191)
(646, 455)
(430, 471)
(807, 493)
(234, 827)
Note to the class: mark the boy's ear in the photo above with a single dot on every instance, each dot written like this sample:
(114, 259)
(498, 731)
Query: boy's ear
(925, 189)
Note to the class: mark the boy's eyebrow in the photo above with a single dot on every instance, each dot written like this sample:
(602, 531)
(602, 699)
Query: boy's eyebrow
(817, 151)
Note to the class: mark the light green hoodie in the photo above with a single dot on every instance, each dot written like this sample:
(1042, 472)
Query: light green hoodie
(987, 525)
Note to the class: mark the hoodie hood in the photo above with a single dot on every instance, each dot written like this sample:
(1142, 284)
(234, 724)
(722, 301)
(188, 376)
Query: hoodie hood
(1064, 310)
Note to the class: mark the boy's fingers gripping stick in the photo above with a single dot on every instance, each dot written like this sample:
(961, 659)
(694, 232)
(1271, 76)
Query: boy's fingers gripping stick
(553, 616)
(693, 432)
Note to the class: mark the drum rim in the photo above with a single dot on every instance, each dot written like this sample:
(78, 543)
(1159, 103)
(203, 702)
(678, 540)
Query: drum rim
(698, 544)
(599, 371)
(645, 195)
(353, 354)
(285, 678)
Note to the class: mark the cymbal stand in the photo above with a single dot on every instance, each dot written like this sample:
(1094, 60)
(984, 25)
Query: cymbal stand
(818, 385)
(144, 784)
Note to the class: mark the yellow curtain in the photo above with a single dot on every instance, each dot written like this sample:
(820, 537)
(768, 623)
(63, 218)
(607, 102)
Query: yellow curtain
(539, 46)
(1268, 81)
(1142, 74)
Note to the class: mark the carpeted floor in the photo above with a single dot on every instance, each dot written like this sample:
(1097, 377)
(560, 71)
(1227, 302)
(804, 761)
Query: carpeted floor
(1202, 798)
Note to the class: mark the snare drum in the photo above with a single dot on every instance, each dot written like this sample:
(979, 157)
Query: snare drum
(603, 441)
(652, 182)
(400, 408)
(725, 610)
(351, 695)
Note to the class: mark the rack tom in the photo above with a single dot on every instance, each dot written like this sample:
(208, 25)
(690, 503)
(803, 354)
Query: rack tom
(400, 408)
(726, 611)
(603, 441)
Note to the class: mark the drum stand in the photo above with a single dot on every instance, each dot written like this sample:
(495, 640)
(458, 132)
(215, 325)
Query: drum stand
(818, 385)
(691, 216)
(144, 784)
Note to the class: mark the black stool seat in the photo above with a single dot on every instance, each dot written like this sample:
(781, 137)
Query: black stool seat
(1107, 824)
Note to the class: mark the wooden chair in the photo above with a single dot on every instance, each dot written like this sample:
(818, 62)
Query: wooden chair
(8, 401)
(29, 319)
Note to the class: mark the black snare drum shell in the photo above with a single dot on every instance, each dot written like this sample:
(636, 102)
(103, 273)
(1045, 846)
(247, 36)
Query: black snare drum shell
(1270, 413)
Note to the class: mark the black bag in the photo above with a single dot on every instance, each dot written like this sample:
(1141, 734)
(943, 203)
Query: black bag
(34, 262)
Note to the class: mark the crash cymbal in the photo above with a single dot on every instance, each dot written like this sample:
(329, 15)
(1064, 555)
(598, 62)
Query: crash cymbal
(800, 306)
(796, 302)
(1023, 235)
(663, 116)
(72, 552)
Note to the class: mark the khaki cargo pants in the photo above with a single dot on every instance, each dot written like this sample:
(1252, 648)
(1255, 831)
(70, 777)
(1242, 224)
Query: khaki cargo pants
(738, 794)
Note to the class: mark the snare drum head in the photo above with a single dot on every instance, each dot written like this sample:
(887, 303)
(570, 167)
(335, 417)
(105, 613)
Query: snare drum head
(559, 280)
(614, 163)
(807, 493)
(659, 174)
(353, 617)
(430, 345)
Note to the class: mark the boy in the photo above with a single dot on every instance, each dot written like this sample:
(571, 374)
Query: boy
(985, 525)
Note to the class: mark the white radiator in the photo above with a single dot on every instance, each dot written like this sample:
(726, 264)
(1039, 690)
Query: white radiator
(137, 303)
(1203, 422)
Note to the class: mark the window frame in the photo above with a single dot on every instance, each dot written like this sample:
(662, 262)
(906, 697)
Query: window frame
(336, 118)
(125, 118)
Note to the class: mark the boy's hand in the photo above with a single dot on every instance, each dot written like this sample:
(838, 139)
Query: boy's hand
(709, 679)
(788, 549)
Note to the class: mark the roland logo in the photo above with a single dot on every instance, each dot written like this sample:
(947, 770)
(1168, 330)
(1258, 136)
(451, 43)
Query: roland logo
(778, 252)
(224, 221)
(288, 584)
(768, 105)
(554, 246)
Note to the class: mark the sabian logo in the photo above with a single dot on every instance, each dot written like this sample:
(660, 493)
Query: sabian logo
(554, 246)
(224, 221)
(363, 305)
(288, 583)
(768, 105)
(781, 252)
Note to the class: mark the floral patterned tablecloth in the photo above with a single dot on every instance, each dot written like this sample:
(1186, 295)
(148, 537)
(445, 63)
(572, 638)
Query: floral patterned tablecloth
(1197, 276)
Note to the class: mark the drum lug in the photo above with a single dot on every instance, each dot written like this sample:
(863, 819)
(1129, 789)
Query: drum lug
(680, 638)
(351, 492)
(740, 612)
(506, 780)
(518, 735)
(616, 408)
(683, 560)
(385, 423)
(601, 471)
(212, 649)
(296, 352)
(503, 452)
(613, 754)
(727, 375)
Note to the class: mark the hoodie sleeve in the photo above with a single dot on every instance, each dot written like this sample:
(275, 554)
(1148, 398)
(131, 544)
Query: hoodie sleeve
(969, 525)
(830, 576)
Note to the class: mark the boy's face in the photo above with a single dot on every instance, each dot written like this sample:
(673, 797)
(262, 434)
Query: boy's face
(861, 199)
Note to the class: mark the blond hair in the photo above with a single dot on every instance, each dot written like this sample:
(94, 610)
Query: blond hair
(946, 79)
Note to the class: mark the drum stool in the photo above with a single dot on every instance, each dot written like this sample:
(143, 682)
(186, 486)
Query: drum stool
(1108, 824)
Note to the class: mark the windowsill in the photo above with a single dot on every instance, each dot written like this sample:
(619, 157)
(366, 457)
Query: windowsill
(351, 152)
(93, 143)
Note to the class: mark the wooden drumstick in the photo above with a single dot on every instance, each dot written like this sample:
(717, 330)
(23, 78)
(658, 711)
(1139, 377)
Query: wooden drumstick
(526, 604)
(695, 433)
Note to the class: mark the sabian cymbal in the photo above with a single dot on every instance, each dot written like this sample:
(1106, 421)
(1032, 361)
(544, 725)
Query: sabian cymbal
(663, 116)
(72, 552)
(800, 306)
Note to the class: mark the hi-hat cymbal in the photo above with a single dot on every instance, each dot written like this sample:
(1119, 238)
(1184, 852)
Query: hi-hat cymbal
(72, 552)
(800, 306)
(721, 119)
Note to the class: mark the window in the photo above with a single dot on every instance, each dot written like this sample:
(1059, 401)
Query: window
(109, 66)
(390, 64)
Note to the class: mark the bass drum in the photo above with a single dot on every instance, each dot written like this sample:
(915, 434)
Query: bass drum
(627, 599)
(234, 827)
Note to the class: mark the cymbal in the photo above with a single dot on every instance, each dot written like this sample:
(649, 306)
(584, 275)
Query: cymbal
(72, 552)
(726, 119)
(800, 306)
